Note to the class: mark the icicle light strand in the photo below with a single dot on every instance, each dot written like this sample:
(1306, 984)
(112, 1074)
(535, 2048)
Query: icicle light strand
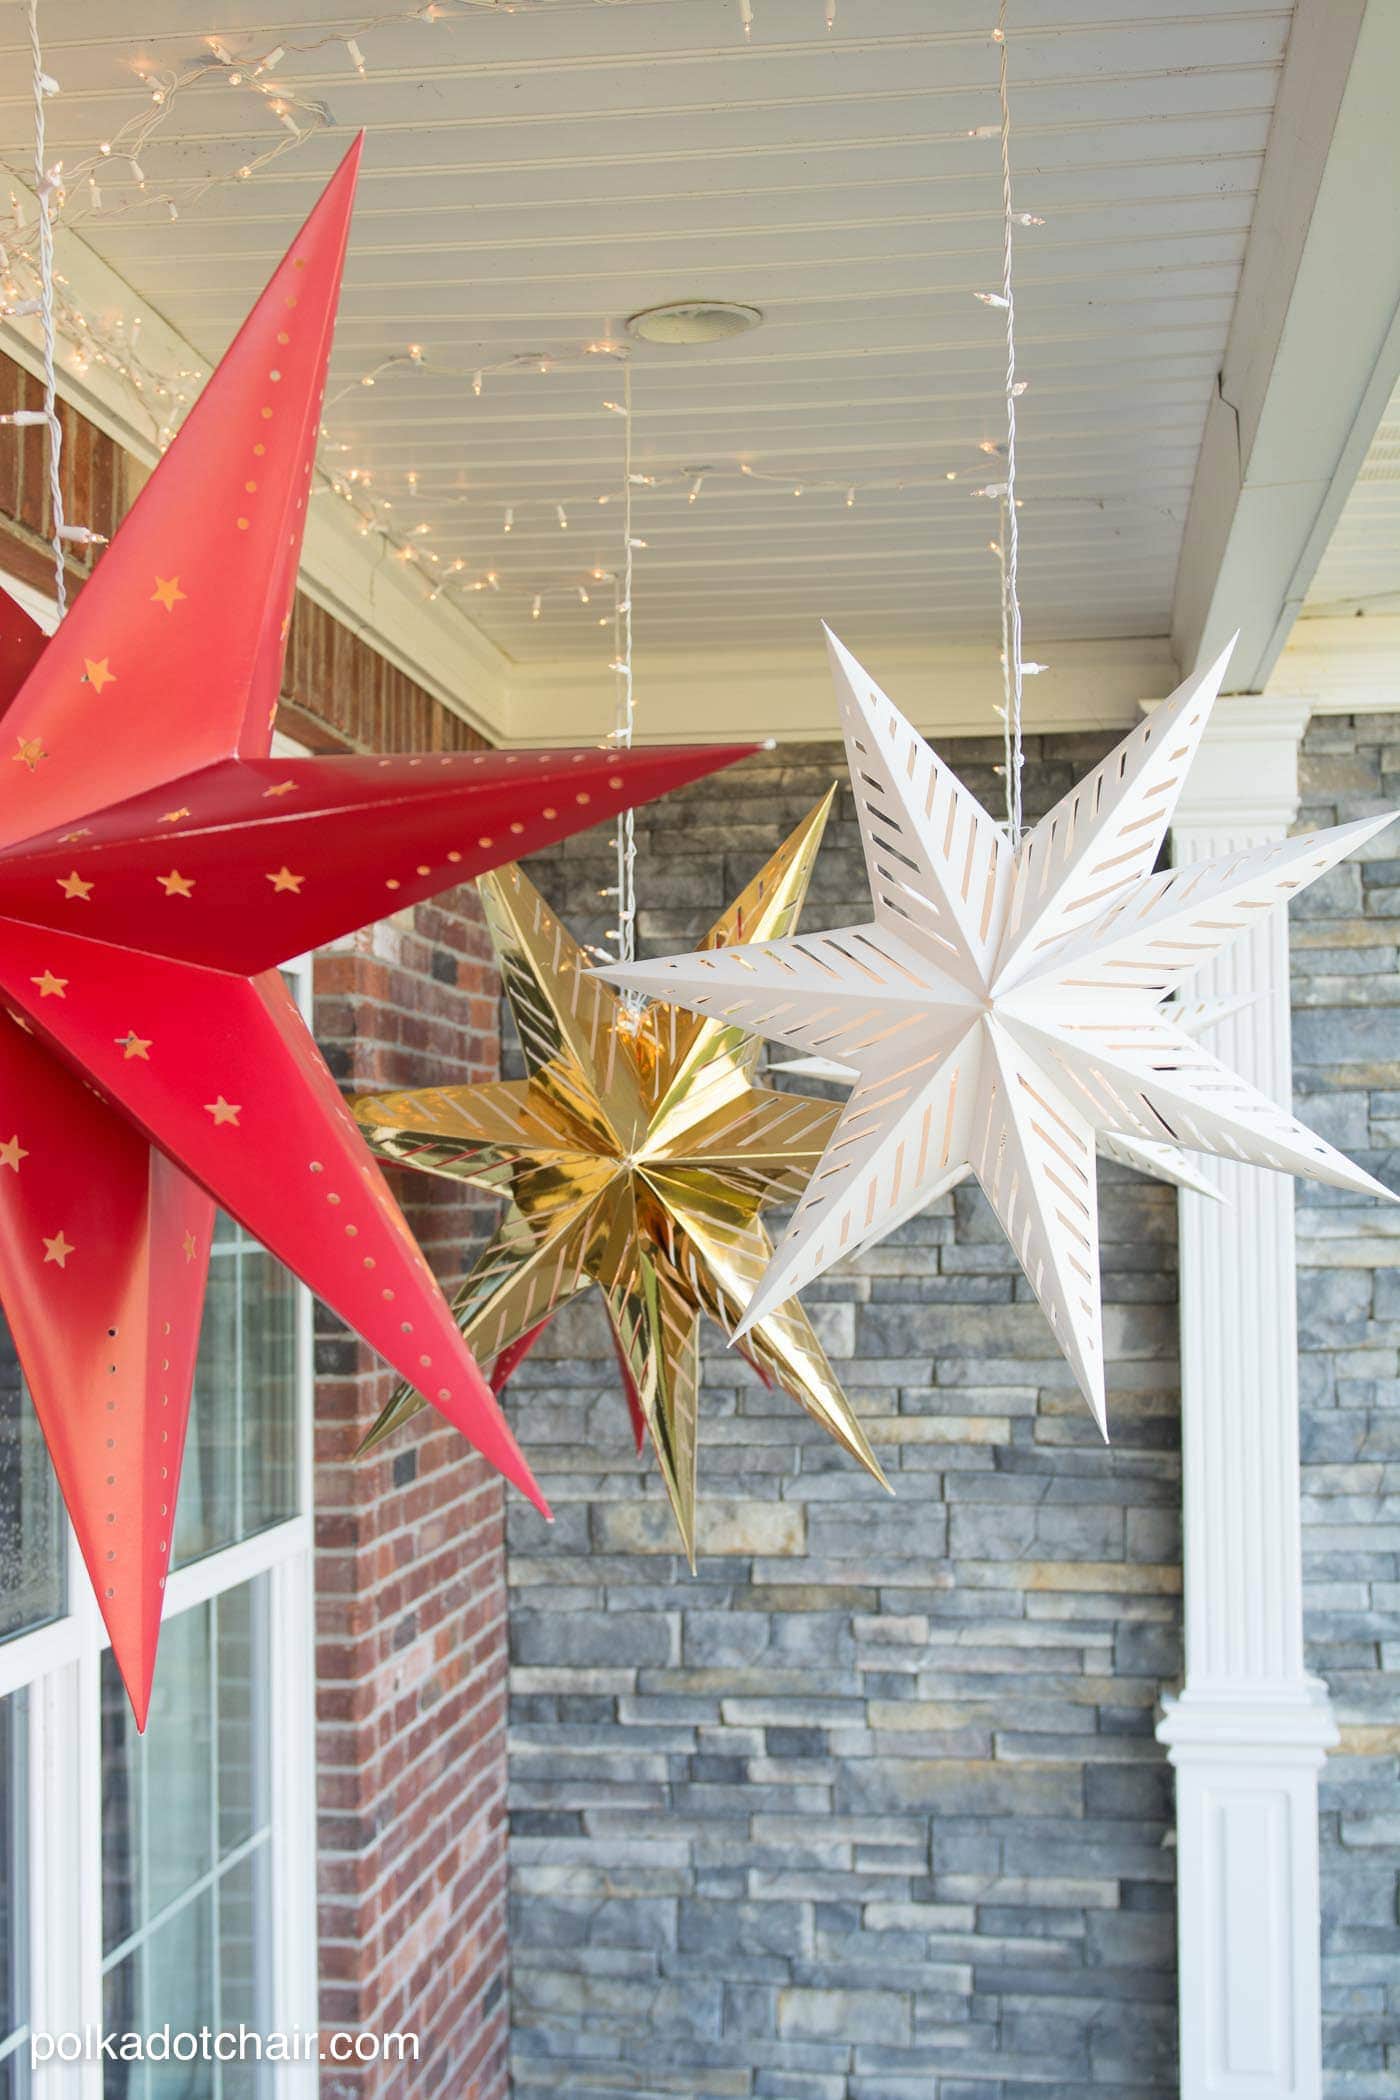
(626, 934)
(43, 185)
(1012, 669)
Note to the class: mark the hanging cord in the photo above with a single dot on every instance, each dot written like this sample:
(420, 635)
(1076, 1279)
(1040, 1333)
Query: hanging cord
(1010, 548)
(1008, 752)
(626, 932)
(43, 188)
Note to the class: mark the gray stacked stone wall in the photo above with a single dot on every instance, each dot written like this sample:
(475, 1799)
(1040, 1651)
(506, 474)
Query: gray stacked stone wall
(1346, 1049)
(870, 1808)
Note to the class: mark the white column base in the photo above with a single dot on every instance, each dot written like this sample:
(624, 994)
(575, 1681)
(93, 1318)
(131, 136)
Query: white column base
(1247, 1888)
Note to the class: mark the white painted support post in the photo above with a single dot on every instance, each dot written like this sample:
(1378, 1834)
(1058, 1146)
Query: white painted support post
(1250, 1728)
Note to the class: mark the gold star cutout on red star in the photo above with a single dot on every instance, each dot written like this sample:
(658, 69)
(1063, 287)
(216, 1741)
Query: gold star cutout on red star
(133, 1045)
(167, 592)
(70, 838)
(74, 886)
(50, 987)
(173, 816)
(31, 750)
(175, 884)
(280, 787)
(99, 672)
(11, 1153)
(284, 879)
(223, 1111)
(58, 1248)
(191, 1246)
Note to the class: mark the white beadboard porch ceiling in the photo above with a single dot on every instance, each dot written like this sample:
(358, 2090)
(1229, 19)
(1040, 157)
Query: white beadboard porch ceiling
(532, 177)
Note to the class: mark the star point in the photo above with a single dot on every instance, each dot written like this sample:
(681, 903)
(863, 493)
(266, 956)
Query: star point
(73, 886)
(175, 884)
(167, 592)
(98, 672)
(223, 1111)
(11, 1153)
(30, 753)
(133, 1045)
(58, 1248)
(279, 787)
(284, 879)
(174, 816)
(51, 987)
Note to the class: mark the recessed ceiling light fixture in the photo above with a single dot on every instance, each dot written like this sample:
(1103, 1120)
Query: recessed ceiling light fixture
(693, 321)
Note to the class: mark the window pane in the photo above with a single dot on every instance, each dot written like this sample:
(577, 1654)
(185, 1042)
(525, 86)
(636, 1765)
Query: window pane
(240, 1458)
(31, 1523)
(268, 1370)
(122, 2014)
(244, 1976)
(186, 1907)
(157, 1794)
(179, 1987)
(242, 1716)
(14, 1898)
(206, 1515)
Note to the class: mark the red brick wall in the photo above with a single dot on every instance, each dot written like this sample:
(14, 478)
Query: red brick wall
(410, 1570)
(337, 691)
(411, 1658)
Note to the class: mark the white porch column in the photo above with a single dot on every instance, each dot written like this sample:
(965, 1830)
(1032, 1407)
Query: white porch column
(1250, 1728)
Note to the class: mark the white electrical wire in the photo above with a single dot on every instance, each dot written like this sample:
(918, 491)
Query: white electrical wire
(1008, 751)
(55, 431)
(1012, 669)
(626, 933)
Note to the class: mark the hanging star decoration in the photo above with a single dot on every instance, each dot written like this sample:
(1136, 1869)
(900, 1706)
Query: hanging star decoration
(1004, 1010)
(636, 1156)
(156, 865)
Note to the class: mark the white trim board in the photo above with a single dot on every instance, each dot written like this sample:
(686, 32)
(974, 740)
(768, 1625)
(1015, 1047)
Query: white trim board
(1346, 666)
(728, 693)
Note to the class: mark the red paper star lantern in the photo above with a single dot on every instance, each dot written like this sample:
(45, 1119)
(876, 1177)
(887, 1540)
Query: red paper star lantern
(155, 867)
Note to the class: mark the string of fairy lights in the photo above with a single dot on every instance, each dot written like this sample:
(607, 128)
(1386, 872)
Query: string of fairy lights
(625, 720)
(383, 506)
(53, 429)
(1013, 666)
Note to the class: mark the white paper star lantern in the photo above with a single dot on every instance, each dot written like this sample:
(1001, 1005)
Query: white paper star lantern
(1004, 1011)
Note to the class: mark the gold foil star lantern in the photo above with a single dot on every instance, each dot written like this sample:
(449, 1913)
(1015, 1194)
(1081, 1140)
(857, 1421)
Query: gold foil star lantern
(638, 1156)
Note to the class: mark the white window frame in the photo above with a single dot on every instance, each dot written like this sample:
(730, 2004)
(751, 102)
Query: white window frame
(59, 1666)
